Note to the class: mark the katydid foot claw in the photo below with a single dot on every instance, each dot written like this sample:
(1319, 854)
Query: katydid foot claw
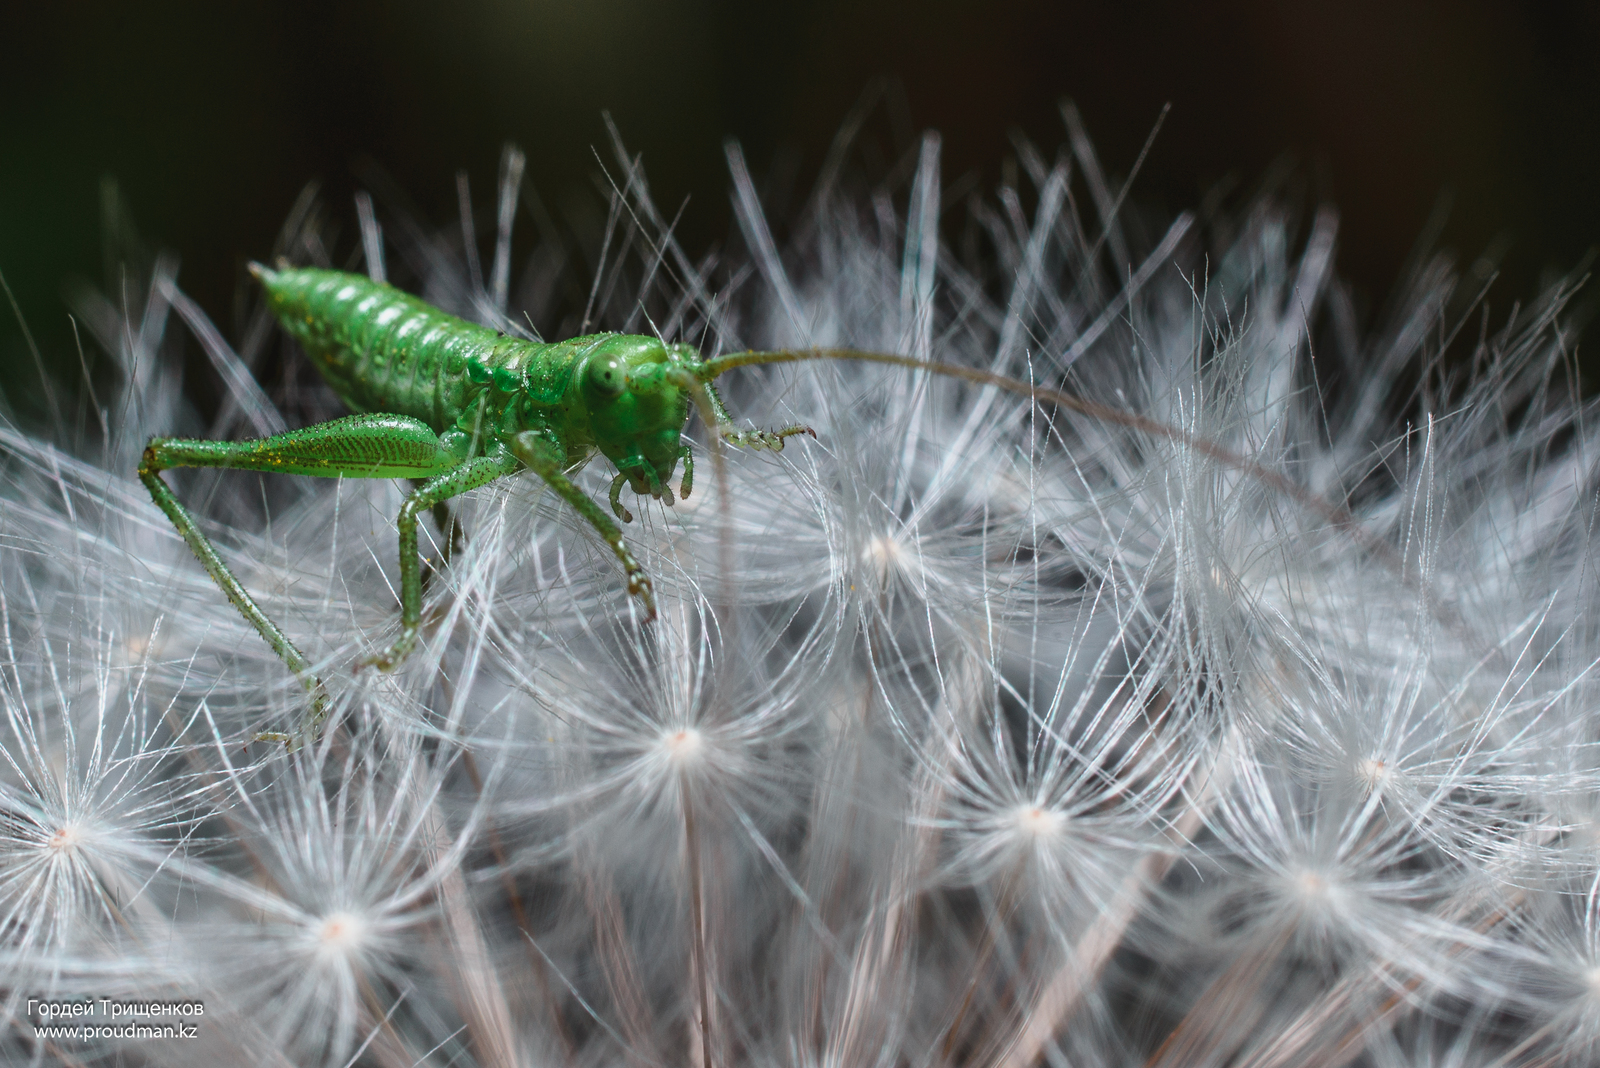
(392, 657)
(271, 736)
(766, 439)
(639, 586)
(313, 722)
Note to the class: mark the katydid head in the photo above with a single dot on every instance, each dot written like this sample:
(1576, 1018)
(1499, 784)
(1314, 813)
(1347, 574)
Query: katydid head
(637, 397)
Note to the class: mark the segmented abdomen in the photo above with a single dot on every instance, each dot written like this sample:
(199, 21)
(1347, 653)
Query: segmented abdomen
(383, 350)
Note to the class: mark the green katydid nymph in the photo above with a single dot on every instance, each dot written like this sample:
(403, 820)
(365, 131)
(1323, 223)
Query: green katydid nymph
(455, 406)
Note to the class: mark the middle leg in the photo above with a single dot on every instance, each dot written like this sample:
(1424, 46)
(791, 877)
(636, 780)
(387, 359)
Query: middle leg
(450, 531)
(479, 471)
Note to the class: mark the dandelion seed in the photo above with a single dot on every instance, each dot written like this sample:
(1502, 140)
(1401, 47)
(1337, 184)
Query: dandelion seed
(885, 554)
(1315, 890)
(684, 747)
(66, 839)
(341, 933)
(1373, 772)
(1035, 823)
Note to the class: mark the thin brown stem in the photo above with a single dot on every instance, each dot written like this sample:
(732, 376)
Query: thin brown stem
(698, 951)
(1004, 907)
(513, 895)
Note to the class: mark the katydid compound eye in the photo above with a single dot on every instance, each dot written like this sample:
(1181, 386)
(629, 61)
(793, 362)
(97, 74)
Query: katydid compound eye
(607, 377)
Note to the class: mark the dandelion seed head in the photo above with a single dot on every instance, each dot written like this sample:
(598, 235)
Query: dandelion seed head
(885, 555)
(1373, 773)
(67, 838)
(1037, 826)
(1592, 982)
(684, 748)
(1216, 656)
(341, 934)
(1315, 891)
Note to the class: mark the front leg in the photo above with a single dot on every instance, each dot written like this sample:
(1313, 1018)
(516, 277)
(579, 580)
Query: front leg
(744, 439)
(545, 460)
(479, 471)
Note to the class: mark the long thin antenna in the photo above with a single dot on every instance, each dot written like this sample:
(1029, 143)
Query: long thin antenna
(1338, 515)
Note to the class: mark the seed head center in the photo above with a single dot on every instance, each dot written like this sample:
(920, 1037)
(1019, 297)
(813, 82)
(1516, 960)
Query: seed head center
(68, 836)
(1034, 822)
(1312, 886)
(885, 554)
(684, 746)
(341, 931)
(1373, 772)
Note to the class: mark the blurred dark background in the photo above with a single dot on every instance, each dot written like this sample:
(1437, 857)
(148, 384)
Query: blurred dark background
(212, 117)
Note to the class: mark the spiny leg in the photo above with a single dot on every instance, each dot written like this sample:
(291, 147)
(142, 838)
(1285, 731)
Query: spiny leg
(364, 446)
(709, 401)
(206, 553)
(450, 530)
(544, 460)
(714, 412)
(471, 474)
